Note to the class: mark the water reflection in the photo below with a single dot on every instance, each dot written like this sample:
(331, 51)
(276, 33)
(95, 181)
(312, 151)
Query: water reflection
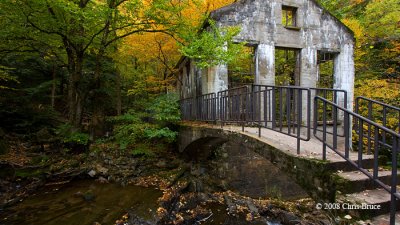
(83, 202)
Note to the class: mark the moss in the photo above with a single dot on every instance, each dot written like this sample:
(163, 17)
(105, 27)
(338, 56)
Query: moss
(26, 173)
(40, 160)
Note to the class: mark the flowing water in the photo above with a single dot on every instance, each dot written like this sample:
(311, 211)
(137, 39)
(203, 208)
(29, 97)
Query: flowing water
(83, 203)
(86, 202)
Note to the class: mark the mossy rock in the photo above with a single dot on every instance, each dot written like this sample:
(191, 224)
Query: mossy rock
(27, 172)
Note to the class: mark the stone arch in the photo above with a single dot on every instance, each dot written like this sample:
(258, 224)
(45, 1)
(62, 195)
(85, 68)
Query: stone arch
(202, 148)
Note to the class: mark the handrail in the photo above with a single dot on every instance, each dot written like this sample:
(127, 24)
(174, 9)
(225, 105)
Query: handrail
(333, 95)
(392, 189)
(284, 109)
(186, 106)
(232, 105)
(276, 108)
(206, 107)
(385, 108)
(377, 102)
(387, 112)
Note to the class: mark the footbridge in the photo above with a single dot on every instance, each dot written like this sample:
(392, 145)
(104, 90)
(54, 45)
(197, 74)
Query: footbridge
(336, 154)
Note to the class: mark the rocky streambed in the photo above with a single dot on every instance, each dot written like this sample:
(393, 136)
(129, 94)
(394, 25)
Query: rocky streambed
(112, 187)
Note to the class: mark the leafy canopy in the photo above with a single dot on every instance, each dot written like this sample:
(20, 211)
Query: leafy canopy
(214, 46)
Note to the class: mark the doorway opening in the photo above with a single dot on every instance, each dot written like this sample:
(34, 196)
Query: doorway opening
(287, 67)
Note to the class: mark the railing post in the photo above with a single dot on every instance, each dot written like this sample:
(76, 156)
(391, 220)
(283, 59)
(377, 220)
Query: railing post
(360, 143)
(347, 136)
(393, 198)
(273, 103)
(376, 153)
(324, 131)
(299, 117)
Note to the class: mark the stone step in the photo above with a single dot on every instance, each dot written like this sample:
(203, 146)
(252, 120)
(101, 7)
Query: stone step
(385, 219)
(355, 181)
(342, 165)
(376, 197)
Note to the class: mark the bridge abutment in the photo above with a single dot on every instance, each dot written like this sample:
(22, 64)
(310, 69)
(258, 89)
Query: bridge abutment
(312, 175)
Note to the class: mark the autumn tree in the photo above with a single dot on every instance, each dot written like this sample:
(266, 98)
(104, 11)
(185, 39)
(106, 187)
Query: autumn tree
(77, 29)
(155, 55)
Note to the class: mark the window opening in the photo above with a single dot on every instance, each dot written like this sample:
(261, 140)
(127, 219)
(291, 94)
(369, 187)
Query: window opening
(242, 71)
(325, 69)
(289, 16)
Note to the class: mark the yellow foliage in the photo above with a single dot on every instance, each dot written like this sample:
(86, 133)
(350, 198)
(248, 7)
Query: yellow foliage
(157, 53)
(377, 89)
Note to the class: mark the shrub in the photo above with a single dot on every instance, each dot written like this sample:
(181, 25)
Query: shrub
(146, 126)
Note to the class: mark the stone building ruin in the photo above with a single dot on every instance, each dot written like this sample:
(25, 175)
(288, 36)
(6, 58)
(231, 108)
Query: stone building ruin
(314, 47)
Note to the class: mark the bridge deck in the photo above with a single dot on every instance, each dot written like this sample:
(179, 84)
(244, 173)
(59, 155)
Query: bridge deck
(311, 149)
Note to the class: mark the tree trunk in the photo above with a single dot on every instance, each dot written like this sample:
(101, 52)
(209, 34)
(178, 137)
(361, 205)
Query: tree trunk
(74, 96)
(119, 101)
(165, 80)
(97, 121)
(53, 87)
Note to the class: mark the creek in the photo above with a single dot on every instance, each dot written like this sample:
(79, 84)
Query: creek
(86, 202)
(83, 202)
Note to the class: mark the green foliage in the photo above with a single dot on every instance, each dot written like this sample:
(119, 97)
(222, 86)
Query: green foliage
(285, 60)
(213, 47)
(68, 135)
(383, 19)
(129, 133)
(6, 77)
(242, 68)
(165, 108)
(376, 27)
(142, 150)
(148, 126)
(20, 115)
(161, 134)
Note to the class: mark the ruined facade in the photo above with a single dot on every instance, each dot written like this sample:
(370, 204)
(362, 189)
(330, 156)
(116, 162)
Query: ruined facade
(297, 29)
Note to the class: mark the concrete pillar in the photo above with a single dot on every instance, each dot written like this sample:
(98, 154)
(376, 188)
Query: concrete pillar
(204, 78)
(309, 67)
(308, 78)
(265, 73)
(217, 79)
(344, 73)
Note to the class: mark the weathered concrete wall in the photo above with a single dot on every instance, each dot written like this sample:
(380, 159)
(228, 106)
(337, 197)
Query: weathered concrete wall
(317, 30)
(314, 176)
(217, 79)
(261, 25)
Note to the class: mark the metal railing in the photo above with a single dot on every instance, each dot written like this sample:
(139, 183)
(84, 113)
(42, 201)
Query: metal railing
(233, 105)
(285, 109)
(365, 143)
(380, 113)
(206, 107)
(187, 110)
(336, 96)
(288, 110)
